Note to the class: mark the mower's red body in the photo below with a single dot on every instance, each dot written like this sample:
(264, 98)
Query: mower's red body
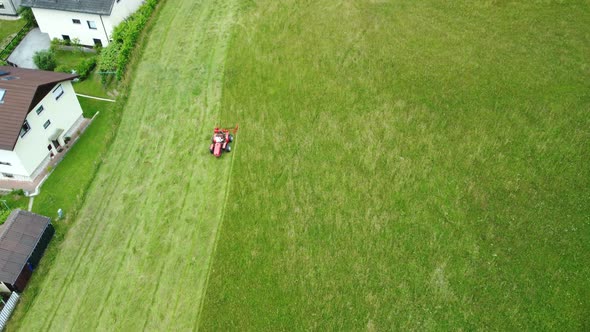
(220, 142)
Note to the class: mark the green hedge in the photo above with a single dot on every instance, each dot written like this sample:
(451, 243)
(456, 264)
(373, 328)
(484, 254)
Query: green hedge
(116, 55)
(86, 67)
(4, 213)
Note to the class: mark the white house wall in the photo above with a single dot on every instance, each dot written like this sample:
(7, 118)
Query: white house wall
(10, 7)
(121, 11)
(15, 167)
(63, 113)
(57, 23)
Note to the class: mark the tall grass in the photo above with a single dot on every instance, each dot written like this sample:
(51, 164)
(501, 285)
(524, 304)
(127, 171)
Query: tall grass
(406, 165)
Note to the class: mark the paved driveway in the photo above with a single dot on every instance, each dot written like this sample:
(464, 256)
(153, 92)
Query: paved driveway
(34, 41)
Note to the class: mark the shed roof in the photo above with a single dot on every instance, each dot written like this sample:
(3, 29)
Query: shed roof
(19, 236)
(99, 7)
(24, 88)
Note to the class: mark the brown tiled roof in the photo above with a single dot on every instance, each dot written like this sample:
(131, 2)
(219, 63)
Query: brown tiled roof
(21, 95)
(19, 236)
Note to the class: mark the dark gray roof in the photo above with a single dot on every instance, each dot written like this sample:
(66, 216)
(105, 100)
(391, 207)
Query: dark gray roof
(19, 236)
(101, 7)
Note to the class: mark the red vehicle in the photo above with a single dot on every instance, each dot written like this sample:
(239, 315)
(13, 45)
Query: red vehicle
(220, 141)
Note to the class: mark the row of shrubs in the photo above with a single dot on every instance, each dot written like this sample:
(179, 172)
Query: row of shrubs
(14, 42)
(115, 57)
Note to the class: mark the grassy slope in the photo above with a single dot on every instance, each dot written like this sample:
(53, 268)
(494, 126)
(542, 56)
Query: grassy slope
(137, 254)
(406, 164)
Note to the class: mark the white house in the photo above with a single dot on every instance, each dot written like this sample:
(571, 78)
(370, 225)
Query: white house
(38, 110)
(91, 21)
(9, 7)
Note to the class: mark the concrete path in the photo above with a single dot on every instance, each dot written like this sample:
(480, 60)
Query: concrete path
(34, 41)
(9, 17)
(97, 98)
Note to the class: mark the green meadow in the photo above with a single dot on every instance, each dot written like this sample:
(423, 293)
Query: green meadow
(400, 165)
(406, 165)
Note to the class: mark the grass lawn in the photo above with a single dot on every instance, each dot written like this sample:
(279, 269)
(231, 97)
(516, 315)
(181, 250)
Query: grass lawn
(400, 165)
(72, 58)
(8, 29)
(406, 165)
(137, 252)
(15, 200)
(66, 186)
(92, 86)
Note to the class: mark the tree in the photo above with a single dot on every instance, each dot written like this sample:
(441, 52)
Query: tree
(45, 60)
(26, 13)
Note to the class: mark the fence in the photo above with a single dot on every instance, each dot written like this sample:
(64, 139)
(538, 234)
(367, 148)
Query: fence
(7, 310)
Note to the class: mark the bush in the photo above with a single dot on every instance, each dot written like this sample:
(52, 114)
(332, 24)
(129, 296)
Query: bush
(115, 57)
(45, 60)
(4, 213)
(63, 69)
(76, 44)
(55, 44)
(26, 13)
(97, 48)
(86, 67)
(17, 192)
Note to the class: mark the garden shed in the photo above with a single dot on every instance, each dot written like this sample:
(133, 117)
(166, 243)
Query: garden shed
(23, 240)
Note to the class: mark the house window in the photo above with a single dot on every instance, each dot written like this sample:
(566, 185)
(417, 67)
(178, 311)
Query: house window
(75, 21)
(8, 175)
(46, 124)
(2, 5)
(66, 39)
(91, 25)
(97, 42)
(25, 129)
(58, 92)
(39, 110)
(5, 163)
(2, 93)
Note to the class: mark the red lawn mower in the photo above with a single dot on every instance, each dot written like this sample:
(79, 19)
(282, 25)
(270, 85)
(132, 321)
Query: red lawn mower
(220, 141)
